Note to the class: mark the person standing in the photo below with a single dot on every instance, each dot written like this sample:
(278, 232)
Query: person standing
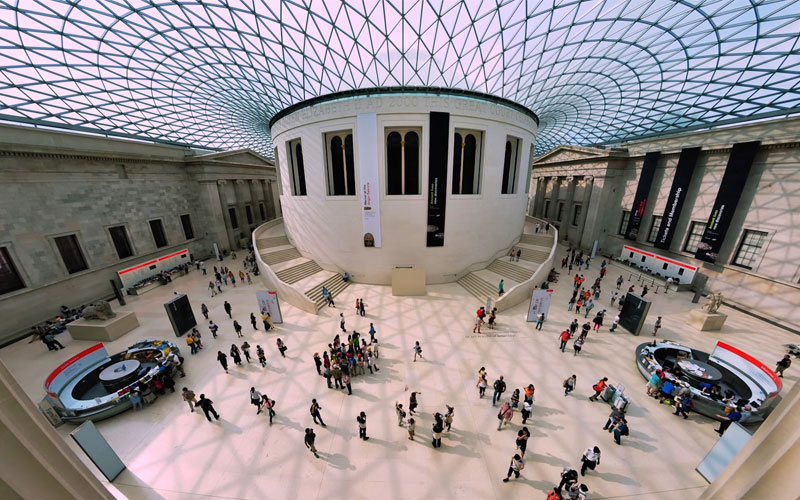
(540, 321)
(499, 388)
(683, 405)
(569, 384)
(253, 321)
(208, 407)
(203, 268)
(734, 415)
(318, 363)
(223, 360)
(236, 355)
(337, 375)
(598, 388)
(269, 321)
(417, 351)
(782, 365)
(401, 413)
(590, 459)
(522, 440)
(361, 307)
(371, 332)
(341, 322)
(614, 296)
(262, 357)
(448, 417)
(255, 399)
(412, 402)
(189, 397)
(346, 383)
(514, 467)
(564, 339)
(619, 281)
(228, 309)
(136, 399)
(500, 290)
(644, 291)
(204, 310)
(519, 254)
(411, 427)
(238, 328)
(438, 427)
(315, 414)
(657, 326)
(362, 425)
(309, 439)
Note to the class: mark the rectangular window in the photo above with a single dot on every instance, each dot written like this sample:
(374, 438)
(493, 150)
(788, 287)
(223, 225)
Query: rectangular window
(654, 228)
(546, 208)
(186, 222)
(623, 224)
(510, 165)
(297, 169)
(467, 148)
(10, 280)
(340, 171)
(560, 212)
(119, 236)
(248, 211)
(403, 151)
(576, 214)
(234, 219)
(752, 243)
(695, 235)
(71, 253)
(157, 228)
(263, 211)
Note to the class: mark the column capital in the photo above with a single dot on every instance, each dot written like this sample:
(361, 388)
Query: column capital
(570, 178)
(255, 182)
(589, 178)
(239, 181)
(541, 178)
(221, 182)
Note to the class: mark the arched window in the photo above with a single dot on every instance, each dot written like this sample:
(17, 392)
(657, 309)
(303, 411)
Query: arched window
(341, 169)
(510, 165)
(297, 171)
(466, 162)
(402, 161)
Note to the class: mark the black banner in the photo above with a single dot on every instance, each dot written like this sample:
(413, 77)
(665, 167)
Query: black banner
(437, 176)
(730, 190)
(677, 194)
(642, 191)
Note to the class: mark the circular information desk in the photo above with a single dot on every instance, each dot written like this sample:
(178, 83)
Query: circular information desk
(699, 371)
(119, 373)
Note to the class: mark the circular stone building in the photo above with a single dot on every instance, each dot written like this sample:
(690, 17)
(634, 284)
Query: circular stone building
(379, 179)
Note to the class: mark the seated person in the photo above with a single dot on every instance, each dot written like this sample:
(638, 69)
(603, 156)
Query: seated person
(346, 277)
(716, 392)
(728, 396)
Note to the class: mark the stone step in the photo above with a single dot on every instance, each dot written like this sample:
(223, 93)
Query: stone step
(276, 241)
(478, 287)
(271, 258)
(536, 256)
(510, 271)
(334, 284)
(296, 273)
(545, 240)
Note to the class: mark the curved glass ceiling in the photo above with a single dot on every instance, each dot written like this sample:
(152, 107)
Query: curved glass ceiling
(213, 73)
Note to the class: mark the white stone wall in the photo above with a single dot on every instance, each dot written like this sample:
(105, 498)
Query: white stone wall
(329, 229)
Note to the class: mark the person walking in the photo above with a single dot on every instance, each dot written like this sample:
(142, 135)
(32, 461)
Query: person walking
(238, 328)
(318, 363)
(569, 384)
(223, 360)
(412, 402)
(515, 398)
(732, 416)
(203, 268)
(228, 309)
(598, 388)
(588, 307)
(590, 459)
(253, 321)
(204, 310)
(598, 320)
(341, 322)
(505, 414)
(437, 428)
(500, 290)
(189, 397)
(51, 342)
(564, 339)
(782, 365)
(522, 440)
(208, 407)
(315, 413)
(578, 305)
(236, 355)
(246, 351)
(212, 288)
(620, 280)
(213, 328)
(499, 388)
(411, 427)
(255, 399)
(401, 413)
(514, 467)
(540, 321)
(328, 297)
(683, 405)
(621, 429)
(657, 326)
(577, 346)
(614, 324)
(362, 425)
(309, 439)
(417, 351)
(269, 405)
(519, 254)
(527, 410)
(481, 385)
(448, 417)
(262, 357)
(361, 309)
(281, 347)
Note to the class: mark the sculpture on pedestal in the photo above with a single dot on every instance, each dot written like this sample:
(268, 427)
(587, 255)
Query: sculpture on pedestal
(99, 310)
(713, 302)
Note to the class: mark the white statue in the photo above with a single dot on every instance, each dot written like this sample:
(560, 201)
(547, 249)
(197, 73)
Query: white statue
(713, 302)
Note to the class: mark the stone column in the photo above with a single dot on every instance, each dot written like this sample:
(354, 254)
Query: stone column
(587, 196)
(554, 200)
(266, 187)
(566, 214)
(255, 186)
(538, 202)
(223, 201)
(241, 201)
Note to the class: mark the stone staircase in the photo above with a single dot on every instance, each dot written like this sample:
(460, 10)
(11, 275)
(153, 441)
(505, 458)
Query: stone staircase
(272, 258)
(539, 239)
(533, 255)
(334, 284)
(509, 270)
(300, 271)
(478, 286)
(272, 242)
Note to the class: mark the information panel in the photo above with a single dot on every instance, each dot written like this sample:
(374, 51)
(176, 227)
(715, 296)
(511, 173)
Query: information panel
(437, 176)
(730, 190)
(677, 195)
(642, 192)
(367, 130)
(540, 303)
(268, 301)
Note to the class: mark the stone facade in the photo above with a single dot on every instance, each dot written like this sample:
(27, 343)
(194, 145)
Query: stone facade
(54, 184)
(603, 182)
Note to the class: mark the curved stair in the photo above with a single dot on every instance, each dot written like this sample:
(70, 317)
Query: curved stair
(335, 284)
(300, 271)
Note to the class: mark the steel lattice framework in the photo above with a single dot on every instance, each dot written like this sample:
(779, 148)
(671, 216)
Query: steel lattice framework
(213, 73)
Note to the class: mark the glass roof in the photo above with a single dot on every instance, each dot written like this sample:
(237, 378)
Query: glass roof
(213, 73)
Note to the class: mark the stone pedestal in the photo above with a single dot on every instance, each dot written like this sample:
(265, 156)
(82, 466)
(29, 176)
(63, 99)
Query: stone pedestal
(705, 321)
(108, 329)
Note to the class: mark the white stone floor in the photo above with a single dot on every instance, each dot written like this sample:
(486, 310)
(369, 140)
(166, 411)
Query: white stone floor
(171, 453)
